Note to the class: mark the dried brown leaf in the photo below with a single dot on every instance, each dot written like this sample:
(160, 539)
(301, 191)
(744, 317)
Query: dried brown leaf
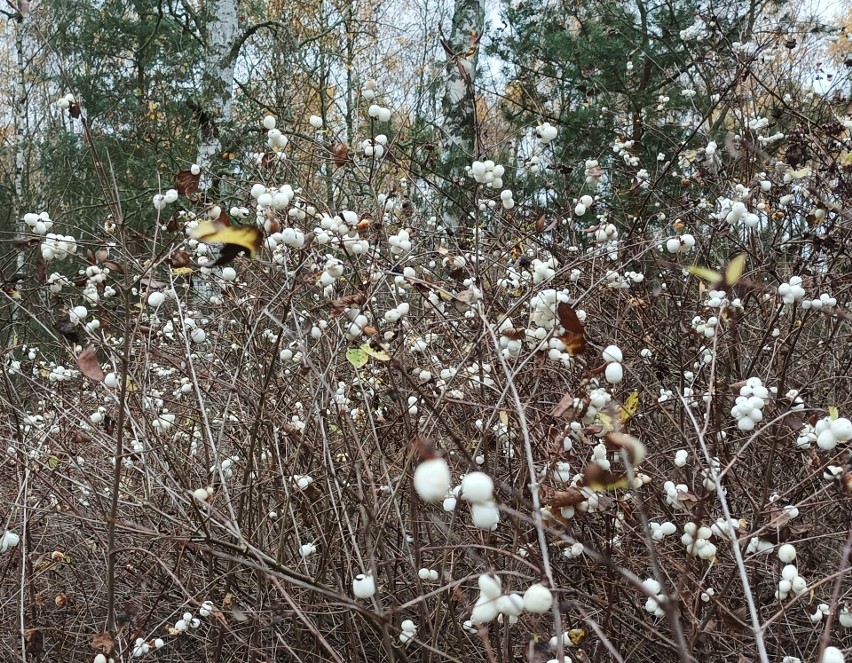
(34, 639)
(178, 259)
(339, 305)
(41, 269)
(24, 243)
(187, 183)
(113, 266)
(563, 498)
(340, 153)
(104, 643)
(564, 408)
(574, 337)
(87, 361)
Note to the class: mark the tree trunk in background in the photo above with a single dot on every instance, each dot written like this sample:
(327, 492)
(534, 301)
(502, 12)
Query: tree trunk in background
(217, 92)
(459, 103)
(19, 109)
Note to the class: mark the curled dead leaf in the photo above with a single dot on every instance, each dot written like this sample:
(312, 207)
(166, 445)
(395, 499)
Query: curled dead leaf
(623, 442)
(514, 334)
(34, 639)
(564, 408)
(88, 364)
(340, 154)
(187, 183)
(104, 643)
(178, 259)
(113, 266)
(24, 243)
(349, 301)
(563, 498)
(574, 337)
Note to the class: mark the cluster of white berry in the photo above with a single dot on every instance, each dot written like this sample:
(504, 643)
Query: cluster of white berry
(58, 247)
(830, 432)
(375, 147)
(408, 629)
(792, 291)
(546, 132)
(38, 223)
(493, 602)
(488, 173)
(478, 489)
(824, 300)
(706, 328)
(748, 410)
(697, 541)
(680, 244)
(584, 203)
(614, 372)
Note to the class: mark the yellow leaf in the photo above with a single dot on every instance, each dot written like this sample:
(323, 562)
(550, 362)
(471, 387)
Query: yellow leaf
(182, 271)
(606, 422)
(577, 635)
(735, 269)
(245, 237)
(704, 273)
(357, 357)
(799, 174)
(733, 272)
(504, 417)
(631, 405)
(381, 355)
(832, 412)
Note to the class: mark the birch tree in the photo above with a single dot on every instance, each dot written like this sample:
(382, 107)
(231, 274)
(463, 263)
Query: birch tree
(221, 27)
(459, 103)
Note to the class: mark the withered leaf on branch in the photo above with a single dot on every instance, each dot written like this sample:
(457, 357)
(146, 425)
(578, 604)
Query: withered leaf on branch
(187, 183)
(563, 498)
(24, 243)
(41, 268)
(340, 152)
(104, 643)
(343, 303)
(178, 259)
(599, 479)
(68, 329)
(113, 266)
(34, 639)
(574, 337)
(623, 442)
(564, 408)
(87, 361)
(514, 334)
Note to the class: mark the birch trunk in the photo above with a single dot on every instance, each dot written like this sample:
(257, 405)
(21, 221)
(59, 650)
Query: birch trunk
(19, 120)
(459, 102)
(217, 91)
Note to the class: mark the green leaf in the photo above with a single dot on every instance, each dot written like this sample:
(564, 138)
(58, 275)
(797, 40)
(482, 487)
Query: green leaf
(832, 412)
(53, 462)
(357, 357)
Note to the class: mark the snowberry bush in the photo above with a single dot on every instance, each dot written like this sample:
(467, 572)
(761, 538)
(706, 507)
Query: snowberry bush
(602, 413)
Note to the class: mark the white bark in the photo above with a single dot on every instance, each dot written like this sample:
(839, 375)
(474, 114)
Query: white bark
(459, 103)
(218, 82)
(459, 92)
(19, 120)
